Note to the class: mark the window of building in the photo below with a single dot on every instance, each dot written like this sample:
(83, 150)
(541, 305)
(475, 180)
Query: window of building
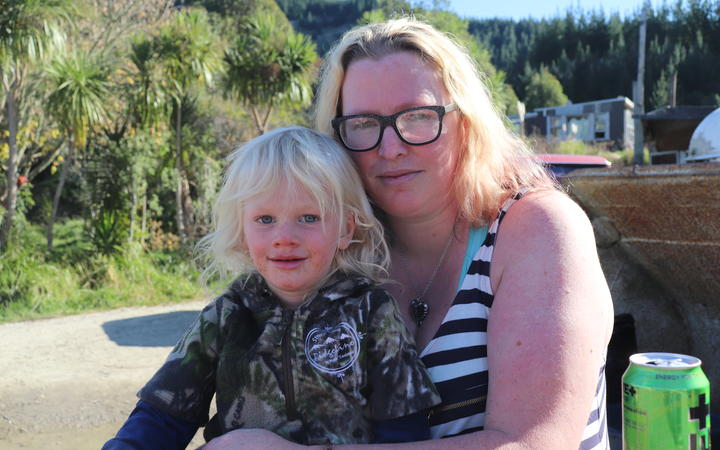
(579, 127)
(602, 126)
(557, 127)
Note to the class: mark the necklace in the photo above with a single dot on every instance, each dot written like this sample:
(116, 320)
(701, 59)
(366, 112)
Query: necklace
(419, 309)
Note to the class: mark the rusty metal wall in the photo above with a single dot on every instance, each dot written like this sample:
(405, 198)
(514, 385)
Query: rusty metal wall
(658, 236)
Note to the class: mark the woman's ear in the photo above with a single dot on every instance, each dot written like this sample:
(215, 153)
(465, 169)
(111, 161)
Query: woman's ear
(347, 232)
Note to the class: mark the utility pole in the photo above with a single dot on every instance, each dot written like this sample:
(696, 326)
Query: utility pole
(673, 90)
(639, 93)
(521, 116)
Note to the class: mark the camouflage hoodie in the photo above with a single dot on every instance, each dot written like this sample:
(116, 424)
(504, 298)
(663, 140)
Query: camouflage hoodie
(317, 374)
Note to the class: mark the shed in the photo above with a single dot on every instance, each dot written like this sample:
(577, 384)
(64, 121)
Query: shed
(668, 131)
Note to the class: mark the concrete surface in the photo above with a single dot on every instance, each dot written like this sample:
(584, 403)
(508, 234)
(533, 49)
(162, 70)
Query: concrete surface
(69, 383)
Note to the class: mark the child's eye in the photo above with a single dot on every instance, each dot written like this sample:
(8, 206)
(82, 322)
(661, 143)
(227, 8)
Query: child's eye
(309, 218)
(265, 220)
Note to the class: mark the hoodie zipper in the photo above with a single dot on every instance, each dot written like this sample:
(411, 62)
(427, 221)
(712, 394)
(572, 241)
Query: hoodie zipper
(450, 407)
(290, 407)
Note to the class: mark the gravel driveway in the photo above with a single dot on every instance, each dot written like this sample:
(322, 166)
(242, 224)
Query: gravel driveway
(70, 382)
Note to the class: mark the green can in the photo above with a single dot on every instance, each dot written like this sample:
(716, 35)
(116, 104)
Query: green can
(666, 403)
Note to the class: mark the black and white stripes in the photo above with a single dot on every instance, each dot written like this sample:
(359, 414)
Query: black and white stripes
(457, 357)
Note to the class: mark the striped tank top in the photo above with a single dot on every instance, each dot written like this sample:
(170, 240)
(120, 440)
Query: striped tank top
(456, 357)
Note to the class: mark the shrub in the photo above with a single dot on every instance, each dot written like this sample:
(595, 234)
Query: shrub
(75, 278)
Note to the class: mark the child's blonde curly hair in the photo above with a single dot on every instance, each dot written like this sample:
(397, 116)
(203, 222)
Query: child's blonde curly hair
(304, 159)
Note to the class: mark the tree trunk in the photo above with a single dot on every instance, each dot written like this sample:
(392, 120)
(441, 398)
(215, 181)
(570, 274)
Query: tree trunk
(39, 168)
(133, 206)
(266, 119)
(179, 216)
(256, 119)
(183, 199)
(12, 169)
(143, 234)
(188, 213)
(56, 199)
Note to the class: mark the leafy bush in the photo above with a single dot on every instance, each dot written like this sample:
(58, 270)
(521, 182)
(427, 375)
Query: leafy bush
(75, 278)
(109, 230)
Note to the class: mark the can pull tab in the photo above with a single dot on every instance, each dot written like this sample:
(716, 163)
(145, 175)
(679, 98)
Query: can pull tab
(668, 363)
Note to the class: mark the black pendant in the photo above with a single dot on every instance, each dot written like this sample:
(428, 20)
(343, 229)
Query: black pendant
(419, 310)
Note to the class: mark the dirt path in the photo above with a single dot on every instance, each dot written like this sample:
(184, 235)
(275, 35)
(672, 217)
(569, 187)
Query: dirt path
(70, 382)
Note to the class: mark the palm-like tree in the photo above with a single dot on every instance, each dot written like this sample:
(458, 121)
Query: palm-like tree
(148, 100)
(28, 29)
(266, 65)
(187, 51)
(79, 90)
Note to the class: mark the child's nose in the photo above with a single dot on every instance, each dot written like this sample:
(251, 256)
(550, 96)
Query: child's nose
(285, 234)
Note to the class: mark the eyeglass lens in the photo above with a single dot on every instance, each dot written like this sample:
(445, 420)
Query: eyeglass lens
(417, 126)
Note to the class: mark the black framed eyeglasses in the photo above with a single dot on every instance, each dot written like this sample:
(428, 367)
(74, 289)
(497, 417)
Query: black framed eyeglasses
(414, 126)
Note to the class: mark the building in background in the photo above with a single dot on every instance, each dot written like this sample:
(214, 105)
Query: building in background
(668, 131)
(606, 122)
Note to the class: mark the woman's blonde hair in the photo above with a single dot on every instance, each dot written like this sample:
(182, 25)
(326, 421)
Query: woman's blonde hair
(304, 159)
(493, 162)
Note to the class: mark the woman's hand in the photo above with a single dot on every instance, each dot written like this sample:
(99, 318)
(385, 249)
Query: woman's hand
(252, 438)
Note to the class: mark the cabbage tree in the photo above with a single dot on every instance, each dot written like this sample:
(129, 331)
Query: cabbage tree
(79, 90)
(28, 30)
(267, 65)
(188, 56)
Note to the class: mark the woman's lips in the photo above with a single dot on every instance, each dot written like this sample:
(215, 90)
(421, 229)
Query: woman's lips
(398, 177)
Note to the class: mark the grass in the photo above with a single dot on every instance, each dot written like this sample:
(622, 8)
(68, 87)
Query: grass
(74, 278)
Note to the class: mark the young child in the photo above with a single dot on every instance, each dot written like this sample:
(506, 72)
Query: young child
(303, 343)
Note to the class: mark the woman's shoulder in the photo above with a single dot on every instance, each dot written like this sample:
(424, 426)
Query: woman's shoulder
(544, 233)
(545, 251)
(545, 214)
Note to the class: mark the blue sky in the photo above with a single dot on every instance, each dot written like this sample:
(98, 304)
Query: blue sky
(520, 9)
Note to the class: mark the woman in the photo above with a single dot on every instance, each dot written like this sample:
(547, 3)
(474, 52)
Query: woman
(497, 272)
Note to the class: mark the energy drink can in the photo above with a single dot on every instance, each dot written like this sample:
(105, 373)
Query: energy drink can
(666, 403)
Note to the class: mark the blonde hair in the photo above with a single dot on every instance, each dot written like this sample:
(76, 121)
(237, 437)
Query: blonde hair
(493, 162)
(306, 159)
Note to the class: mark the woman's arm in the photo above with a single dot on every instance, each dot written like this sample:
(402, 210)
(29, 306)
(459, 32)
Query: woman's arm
(549, 327)
(548, 332)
